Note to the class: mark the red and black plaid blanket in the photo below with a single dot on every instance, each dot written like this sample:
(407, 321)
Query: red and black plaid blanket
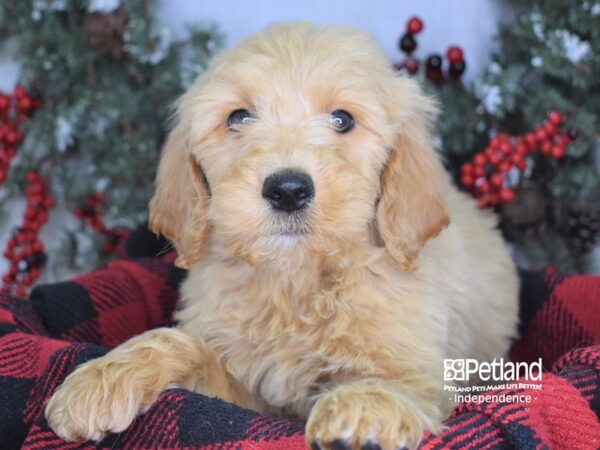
(60, 326)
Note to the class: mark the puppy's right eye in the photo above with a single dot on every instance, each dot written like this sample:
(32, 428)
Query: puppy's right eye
(238, 117)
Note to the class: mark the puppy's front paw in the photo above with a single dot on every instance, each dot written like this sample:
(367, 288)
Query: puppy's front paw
(368, 416)
(96, 399)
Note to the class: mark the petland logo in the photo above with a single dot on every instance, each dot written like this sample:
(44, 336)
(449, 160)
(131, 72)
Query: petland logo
(498, 370)
(509, 382)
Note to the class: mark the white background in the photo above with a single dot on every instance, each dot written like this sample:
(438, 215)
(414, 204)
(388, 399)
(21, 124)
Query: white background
(470, 24)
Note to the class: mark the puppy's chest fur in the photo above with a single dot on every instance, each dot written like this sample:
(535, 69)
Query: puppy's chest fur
(287, 337)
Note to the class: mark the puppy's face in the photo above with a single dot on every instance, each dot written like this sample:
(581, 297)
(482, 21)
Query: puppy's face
(299, 143)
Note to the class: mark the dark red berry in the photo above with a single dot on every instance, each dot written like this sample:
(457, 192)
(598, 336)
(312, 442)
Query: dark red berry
(407, 43)
(555, 117)
(414, 25)
(455, 55)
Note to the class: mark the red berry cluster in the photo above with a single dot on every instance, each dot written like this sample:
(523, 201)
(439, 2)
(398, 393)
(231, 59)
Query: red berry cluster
(434, 63)
(24, 250)
(485, 174)
(15, 109)
(408, 44)
(456, 61)
(89, 213)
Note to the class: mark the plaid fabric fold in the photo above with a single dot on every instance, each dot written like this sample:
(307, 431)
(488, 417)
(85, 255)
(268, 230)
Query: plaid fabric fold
(62, 325)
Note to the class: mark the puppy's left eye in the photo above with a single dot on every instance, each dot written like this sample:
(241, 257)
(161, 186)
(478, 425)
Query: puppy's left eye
(341, 121)
(239, 117)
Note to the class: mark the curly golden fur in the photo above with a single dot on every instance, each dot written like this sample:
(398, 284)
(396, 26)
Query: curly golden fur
(341, 313)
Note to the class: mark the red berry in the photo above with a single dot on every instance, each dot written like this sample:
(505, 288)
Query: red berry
(20, 91)
(520, 148)
(484, 187)
(35, 190)
(489, 150)
(530, 140)
(557, 151)
(479, 160)
(4, 102)
(496, 180)
(494, 142)
(516, 158)
(455, 54)
(36, 198)
(550, 128)
(414, 25)
(467, 180)
(503, 137)
(546, 148)
(505, 147)
(494, 159)
(555, 117)
(411, 65)
(482, 202)
(479, 171)
(503, 167)
(541, 135)
(24, 104)
(562, 139)
(522, 165)
(507, 195)
(466, 168)
(13, 137)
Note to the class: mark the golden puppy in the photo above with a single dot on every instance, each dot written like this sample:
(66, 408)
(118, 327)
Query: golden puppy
(333, 266)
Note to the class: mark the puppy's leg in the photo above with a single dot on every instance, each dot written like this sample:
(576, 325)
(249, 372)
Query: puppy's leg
(375, 414)
(104, 395)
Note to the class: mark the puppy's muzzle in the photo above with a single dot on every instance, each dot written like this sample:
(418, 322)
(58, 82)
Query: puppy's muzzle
(288, 190)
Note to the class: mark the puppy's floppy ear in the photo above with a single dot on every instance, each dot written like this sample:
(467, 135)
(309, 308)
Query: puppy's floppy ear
(178, 208)
(411, 209)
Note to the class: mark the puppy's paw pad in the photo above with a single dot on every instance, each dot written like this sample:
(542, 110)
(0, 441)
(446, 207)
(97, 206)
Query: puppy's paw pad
(336, 444)
(371, 444)
(340, 444)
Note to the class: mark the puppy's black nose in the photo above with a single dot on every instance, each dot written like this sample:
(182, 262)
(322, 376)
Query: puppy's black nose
(288, 190)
